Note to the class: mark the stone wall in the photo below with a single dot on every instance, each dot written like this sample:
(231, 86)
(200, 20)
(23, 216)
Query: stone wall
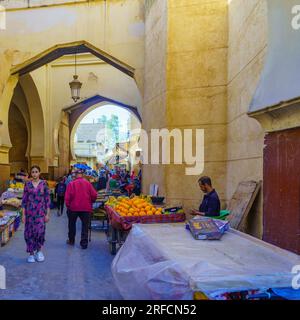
(19, 138)
(246, 52)
(185, 88)
(154, 106)
(64, 148)
(196, 90)
(115, 26)
(23, 4)
(198, 64)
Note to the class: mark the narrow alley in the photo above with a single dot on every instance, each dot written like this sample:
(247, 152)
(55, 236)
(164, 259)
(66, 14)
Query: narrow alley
(68, 273)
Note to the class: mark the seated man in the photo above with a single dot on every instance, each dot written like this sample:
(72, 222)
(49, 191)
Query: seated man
(210, 205)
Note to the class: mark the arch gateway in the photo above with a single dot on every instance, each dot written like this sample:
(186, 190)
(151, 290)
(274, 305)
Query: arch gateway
(210, 65)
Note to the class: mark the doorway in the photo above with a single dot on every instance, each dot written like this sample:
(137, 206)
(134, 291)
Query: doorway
(282, 189)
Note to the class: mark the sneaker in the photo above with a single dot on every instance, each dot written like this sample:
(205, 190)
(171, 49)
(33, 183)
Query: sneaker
(84, 247)
(39, 256)
(31, 259)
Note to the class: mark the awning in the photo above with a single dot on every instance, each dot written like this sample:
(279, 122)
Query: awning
(280, 80)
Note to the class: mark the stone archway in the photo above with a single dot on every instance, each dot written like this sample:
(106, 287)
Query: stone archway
(80, 110)
(37, 120)
(19, 136)
(22, 93)
(22, 74)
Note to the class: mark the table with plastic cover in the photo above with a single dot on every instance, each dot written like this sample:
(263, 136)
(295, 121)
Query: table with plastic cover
(164, 261)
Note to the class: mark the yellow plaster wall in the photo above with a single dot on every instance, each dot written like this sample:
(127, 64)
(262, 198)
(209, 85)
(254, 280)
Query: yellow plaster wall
(154, 106)
(19, 139)
(185, 88)
(246, 52)
(64, 151)
(198, 64)
(115, 26)
(196, 90)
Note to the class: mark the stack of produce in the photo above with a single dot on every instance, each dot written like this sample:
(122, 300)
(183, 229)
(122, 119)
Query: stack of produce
(134, 207)
(51, 184)
(19, 186)
(14, 202)
(7, 195)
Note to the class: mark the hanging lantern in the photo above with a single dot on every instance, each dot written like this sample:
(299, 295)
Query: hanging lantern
(75, 85)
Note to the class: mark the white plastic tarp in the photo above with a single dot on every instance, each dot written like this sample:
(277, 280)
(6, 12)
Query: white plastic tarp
(163, 261)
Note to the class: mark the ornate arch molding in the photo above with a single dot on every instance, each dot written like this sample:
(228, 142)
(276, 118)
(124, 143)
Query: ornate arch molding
(79, 110)
(77, 47)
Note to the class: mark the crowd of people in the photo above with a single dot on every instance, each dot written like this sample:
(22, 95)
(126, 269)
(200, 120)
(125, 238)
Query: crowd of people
(120, 179)
(77, 194)
(73, 191)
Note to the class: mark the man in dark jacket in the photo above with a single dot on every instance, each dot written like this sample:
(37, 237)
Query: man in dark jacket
(60, 191)
(210, 205)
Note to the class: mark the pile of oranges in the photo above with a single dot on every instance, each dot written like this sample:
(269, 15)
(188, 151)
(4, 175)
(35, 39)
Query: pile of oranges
(135, 207)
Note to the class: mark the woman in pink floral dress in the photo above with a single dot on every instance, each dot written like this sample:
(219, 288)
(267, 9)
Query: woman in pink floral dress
(36, 213)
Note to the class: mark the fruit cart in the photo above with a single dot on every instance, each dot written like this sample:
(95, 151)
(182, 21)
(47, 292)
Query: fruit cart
(119, 226)
(99, 214)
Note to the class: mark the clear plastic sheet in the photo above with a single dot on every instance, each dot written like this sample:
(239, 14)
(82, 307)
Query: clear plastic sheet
(163, 261)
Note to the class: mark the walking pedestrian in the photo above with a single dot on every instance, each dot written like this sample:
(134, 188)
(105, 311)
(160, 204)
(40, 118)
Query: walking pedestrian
(60, 191)
(36, 213)
(80, 196)
(70, 177)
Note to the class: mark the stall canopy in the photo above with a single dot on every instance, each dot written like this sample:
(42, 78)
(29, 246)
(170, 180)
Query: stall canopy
(280, 80)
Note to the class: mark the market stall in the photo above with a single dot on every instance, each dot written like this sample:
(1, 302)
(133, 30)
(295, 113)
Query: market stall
(99, 213)
(9, 224)
(10, 212)
(164, 261)
(124, 212)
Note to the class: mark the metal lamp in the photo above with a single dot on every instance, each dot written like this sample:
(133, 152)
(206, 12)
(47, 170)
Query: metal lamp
(75, 85)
